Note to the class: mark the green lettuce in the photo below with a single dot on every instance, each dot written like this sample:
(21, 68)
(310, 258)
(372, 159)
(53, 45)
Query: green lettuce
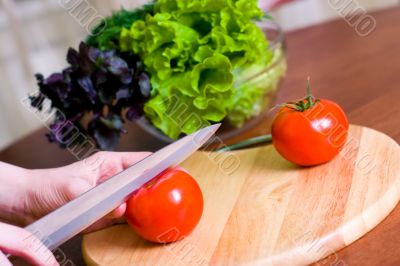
(254, 90)
(195, 51)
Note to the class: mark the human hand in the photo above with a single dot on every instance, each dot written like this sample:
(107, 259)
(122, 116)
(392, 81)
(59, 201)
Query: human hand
(49, 189)
(19, 242)
(27, 195)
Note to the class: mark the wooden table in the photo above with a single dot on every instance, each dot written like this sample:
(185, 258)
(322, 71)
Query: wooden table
(361, 73)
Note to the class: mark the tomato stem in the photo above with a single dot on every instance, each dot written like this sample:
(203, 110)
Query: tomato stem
(246, 143)
(304, 104)
(309, 95)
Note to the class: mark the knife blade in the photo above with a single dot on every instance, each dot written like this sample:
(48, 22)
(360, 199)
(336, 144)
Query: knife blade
(67, 221)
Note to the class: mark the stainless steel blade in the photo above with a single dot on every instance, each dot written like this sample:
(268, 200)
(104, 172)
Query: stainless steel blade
(70, 219)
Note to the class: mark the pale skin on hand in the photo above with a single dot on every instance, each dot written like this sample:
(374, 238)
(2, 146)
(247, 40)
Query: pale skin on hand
(27, 195)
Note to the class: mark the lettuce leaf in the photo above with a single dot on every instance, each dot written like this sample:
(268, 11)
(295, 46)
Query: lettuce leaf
(195, 50)
(250, 96)
(190, 100)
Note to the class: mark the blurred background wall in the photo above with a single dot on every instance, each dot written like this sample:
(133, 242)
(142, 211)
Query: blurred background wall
(35, 35)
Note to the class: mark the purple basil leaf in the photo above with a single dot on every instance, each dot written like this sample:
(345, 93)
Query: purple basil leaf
(39, 78)
(123, 93)
(144, 85)
(86, 66)
(63, 93)
(56, 86)
(72, 57)
(107, 138)
(85, 63)
(127, 76)
(100, 78)
(64, 132)
(109, 53)
(106, 95)
(54, 79)
(55, 134)
(83, 50)
(94, 55)
(67, 74)
(37, 101)
(77, 117)
(134, 113)
(87, 85)
(116, 65)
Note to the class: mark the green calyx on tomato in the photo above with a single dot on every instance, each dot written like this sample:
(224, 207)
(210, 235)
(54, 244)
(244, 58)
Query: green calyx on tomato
(306, 103)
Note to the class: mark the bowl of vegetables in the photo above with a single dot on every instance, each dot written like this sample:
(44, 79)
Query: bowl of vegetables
(254, 89)
(173, 67)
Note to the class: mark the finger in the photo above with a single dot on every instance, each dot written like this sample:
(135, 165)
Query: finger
(118, 212)
(117, 162)
(114, 217)
(130, 158)
(103, 223)
(3, 260)
(100, 224)
(19, 242)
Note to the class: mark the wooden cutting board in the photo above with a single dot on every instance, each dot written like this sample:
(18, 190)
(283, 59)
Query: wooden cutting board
(263, 210)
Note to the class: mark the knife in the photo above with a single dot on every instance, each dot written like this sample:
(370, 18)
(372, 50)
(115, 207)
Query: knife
(67, 221)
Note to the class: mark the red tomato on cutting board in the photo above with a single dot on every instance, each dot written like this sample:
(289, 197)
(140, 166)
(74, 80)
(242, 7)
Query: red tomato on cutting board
(166, 209)
(310, 131)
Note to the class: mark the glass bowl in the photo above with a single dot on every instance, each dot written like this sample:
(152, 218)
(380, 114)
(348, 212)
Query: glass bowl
(266, 81)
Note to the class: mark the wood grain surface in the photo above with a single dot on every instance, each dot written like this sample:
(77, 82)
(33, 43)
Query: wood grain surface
(263, 210)
(360, 73)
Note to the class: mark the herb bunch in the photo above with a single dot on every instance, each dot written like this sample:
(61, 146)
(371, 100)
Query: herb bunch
(104, 85)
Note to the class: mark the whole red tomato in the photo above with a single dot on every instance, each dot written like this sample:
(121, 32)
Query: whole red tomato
(168, 208)
(310, 132)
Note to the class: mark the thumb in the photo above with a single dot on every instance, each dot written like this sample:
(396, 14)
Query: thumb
(19, 242)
